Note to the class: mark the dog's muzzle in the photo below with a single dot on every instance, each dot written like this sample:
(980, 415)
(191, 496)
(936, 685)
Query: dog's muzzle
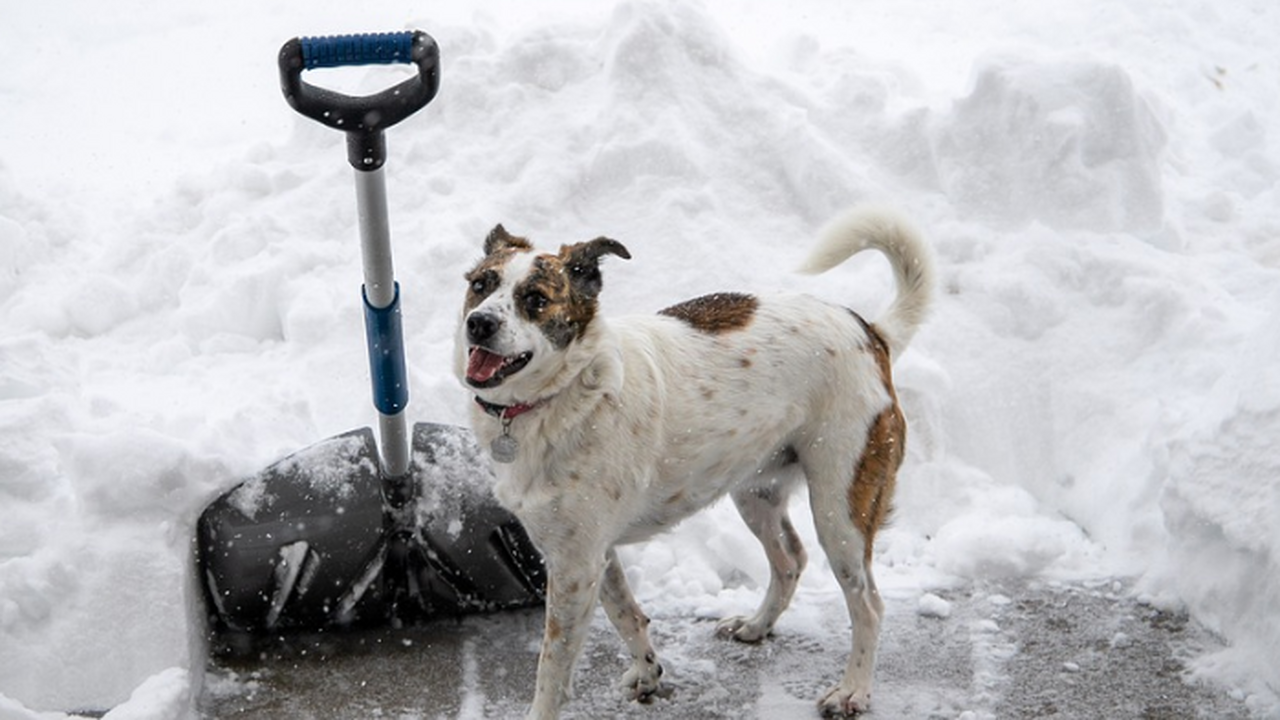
(485, 368)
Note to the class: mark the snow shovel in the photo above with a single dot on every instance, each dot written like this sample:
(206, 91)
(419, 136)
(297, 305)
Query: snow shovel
(353, 532)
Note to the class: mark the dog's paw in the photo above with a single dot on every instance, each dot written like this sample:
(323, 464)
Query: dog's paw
(743, 629)
(841, 702)
(642, 681)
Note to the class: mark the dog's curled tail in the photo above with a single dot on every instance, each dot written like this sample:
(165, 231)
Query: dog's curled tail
(912, 261)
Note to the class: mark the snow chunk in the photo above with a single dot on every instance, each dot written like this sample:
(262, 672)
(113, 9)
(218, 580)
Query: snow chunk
(932, 606)
(164, 696)
(251, 497)
(99, 303)
(983, 545)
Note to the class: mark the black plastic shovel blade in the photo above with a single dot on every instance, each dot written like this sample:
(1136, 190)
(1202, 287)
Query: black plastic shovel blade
(321, 541)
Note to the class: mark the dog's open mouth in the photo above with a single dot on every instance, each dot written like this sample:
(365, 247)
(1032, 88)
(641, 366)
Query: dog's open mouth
(487, 369)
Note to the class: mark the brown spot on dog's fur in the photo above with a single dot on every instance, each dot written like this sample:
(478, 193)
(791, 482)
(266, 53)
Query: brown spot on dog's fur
(874, 478)
(546, 299)
(716, 314)
(871, 493)
(880, 348)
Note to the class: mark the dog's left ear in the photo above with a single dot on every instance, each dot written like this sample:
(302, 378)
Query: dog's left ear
(582, 263)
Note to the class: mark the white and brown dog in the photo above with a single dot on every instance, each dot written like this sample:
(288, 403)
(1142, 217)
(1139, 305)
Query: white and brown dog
(607, 431)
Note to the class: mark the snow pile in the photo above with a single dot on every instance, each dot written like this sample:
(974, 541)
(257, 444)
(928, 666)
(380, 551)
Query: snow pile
(1069, 144)
(1095, 394)
(1221, 504)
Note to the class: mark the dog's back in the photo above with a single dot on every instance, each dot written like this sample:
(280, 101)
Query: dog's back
(743, 380)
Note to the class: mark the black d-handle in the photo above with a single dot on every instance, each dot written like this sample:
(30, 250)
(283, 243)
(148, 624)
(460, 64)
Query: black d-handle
(362, 118)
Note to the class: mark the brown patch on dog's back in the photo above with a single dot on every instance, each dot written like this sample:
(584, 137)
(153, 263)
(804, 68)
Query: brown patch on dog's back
(716, 314)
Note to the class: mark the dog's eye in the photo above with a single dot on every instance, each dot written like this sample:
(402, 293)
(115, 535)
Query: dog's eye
(484, 283)
(534, 302)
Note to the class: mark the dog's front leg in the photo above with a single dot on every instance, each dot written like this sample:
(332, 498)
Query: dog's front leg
(641, 681)
(572, 589)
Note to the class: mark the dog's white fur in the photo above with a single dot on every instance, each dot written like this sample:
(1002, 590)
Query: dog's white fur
(640, 421)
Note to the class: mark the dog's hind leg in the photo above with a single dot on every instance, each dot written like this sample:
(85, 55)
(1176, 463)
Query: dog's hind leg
(765, 511)
(641, 681)
(847, 515)
(853, 694)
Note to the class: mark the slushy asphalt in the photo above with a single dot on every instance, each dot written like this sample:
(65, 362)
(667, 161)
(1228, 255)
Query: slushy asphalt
(1003, 650)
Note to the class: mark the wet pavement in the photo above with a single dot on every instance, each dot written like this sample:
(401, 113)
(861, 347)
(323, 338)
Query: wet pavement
(990, 650)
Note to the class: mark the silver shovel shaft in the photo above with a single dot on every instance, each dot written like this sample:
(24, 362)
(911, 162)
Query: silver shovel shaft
(382, 295)
(375, 237)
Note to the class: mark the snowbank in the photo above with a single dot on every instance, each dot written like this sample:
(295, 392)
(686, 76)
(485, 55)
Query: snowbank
(1220, 504)
(1094, 396)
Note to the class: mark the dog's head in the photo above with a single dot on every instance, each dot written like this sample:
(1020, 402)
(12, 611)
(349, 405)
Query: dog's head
(524, 311)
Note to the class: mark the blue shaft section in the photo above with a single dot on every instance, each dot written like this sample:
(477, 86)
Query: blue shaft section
(384, 332)
(368, 49)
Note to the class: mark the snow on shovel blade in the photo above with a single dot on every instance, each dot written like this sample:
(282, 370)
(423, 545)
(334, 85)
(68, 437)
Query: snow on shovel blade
(475, 551)
(321, 541)
(282, 548)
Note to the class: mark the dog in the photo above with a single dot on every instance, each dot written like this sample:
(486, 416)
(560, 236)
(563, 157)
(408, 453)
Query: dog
(605, 432)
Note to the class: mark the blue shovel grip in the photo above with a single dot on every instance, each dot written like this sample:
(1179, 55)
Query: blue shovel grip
(365, 49)
(385, 334)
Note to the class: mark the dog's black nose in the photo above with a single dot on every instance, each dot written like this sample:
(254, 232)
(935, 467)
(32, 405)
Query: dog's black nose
(481, 327)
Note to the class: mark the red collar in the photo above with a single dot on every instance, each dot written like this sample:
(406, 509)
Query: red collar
(505, 412)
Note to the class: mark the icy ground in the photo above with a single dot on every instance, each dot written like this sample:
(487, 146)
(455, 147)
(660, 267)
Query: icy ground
(1001, 649)
(1095, 397)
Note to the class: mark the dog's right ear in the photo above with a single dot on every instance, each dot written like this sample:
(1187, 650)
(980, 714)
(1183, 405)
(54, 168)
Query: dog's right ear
(582, 261)
(499, 239)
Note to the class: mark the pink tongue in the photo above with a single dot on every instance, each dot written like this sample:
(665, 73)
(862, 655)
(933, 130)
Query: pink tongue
(483, 365)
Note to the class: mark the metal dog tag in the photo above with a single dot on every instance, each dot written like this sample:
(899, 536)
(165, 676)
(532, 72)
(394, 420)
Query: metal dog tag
(504, 448)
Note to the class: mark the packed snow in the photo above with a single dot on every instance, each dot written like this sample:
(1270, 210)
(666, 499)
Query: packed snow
(1096, 394)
